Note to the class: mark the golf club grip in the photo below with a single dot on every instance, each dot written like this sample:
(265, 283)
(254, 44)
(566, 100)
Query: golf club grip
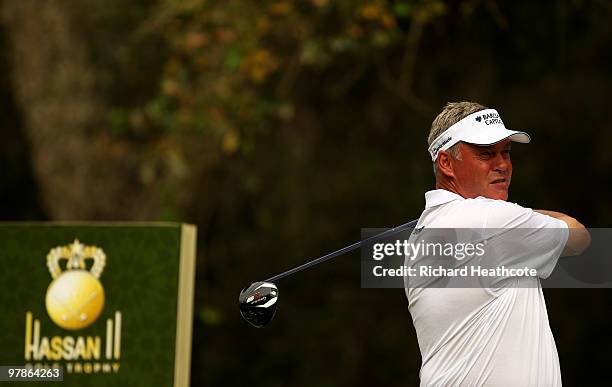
(356, 245)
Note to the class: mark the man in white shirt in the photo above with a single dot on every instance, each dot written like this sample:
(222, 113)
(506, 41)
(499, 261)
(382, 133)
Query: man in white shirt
(488, 336)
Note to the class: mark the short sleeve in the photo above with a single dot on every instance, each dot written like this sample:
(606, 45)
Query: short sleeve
(522, 238)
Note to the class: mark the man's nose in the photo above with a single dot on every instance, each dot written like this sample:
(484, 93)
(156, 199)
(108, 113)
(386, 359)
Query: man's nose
(501, 163)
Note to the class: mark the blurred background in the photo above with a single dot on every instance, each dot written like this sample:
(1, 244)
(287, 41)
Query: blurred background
(281, 128)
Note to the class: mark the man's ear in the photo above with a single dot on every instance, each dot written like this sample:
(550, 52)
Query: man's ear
(443, 164)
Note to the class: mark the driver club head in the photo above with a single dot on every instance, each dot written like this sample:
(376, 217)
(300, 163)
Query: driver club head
(258, 303)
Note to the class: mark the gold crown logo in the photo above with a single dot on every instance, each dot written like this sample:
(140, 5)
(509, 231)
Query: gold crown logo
(75, 297)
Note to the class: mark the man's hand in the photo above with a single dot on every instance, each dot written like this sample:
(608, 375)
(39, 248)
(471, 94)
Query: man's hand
(579, 237)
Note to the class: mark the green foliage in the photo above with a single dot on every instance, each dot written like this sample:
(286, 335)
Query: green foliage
(231, 66)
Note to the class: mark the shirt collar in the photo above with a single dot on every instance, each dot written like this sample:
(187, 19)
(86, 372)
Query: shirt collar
(440, 196)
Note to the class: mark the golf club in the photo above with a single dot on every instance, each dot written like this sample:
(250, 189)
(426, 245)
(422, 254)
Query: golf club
(258, 300)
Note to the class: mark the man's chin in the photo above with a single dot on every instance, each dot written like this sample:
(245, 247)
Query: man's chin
(497, 194)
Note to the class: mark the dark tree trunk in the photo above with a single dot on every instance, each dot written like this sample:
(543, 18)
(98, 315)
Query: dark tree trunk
(82, 172)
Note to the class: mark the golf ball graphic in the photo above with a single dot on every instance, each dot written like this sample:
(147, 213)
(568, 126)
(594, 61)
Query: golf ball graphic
(74, 299)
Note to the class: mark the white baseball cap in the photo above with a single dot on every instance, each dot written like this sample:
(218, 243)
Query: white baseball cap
(484, 127)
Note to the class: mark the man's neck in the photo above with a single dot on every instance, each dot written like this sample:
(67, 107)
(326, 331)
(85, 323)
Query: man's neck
(450, 186)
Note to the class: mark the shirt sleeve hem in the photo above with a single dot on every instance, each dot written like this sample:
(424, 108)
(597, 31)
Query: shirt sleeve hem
(562, 242)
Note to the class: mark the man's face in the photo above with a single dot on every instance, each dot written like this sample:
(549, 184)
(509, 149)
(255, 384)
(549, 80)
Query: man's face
(483, 170)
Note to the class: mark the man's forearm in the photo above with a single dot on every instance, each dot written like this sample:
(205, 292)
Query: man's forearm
(571, 222)
(579, 237)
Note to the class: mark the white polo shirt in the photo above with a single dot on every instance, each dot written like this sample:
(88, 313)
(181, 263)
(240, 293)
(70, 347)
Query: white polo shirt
(489, 336)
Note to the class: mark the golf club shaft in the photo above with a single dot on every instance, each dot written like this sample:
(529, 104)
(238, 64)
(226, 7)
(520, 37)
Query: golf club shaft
(356, 245)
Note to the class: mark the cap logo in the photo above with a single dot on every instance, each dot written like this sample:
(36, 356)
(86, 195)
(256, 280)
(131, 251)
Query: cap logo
(441, 144)
(491, 118)
(479, 118)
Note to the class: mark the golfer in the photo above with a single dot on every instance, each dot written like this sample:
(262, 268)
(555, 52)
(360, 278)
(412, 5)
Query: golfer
(480, 336)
